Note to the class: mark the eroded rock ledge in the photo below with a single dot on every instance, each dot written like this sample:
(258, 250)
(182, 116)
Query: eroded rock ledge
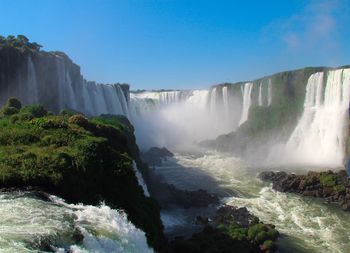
(334, 187)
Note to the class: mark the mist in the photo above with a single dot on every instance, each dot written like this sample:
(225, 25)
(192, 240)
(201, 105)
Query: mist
(183, 120)
(316, 138)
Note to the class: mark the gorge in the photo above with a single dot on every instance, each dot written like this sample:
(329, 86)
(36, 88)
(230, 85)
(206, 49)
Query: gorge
(221, 137)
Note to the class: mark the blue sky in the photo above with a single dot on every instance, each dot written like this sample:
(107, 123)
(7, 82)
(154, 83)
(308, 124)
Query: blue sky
(184, 44)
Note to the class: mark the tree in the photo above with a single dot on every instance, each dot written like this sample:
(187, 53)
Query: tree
(22, 39)
(35, 46)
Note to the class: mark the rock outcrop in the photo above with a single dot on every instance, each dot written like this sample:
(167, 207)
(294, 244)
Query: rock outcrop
(332, 186)
(231, 230)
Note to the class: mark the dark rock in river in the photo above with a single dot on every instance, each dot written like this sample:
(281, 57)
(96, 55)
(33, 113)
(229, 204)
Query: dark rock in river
(154, 156)
(168, 195)
(231, 230)
(333, 186)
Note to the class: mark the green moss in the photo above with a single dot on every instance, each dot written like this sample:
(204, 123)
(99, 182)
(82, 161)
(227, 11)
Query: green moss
(261, 232)
(328, 179)
(339, 188)
(237, 233)
(36, 111)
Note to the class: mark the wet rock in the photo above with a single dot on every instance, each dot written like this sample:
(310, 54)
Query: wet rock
(331, 186)
(231, 230)
(155, 155)
(241, 216)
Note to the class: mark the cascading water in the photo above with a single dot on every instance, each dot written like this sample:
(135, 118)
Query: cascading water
(57, 84)
(29, 224)
(260, 94)
(247, 99)
(140, 179)
(162, 120)
(225, 100)
(32, 86)
(269, 93)
(319, 138)
(213, 100)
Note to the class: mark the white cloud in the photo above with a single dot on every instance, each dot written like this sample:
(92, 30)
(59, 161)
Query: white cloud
(315, 26)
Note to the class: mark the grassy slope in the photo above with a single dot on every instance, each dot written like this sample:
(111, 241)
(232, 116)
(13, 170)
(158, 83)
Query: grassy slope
(81, 160)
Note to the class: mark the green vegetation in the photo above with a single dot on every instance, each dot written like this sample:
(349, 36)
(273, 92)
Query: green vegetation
(82, 160)
(230, 238)
(20, 42)
(339, 188)
(267, 119)
(328, 179)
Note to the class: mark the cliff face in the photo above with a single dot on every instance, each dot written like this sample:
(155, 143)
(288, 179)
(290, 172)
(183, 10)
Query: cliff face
(304, 111)
(52, 79)
(285, 89)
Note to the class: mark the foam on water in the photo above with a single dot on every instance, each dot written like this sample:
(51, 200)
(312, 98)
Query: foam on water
(307, 223)
(26, 223)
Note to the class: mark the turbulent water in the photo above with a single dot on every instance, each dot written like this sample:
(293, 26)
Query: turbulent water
(306, 224)
(28, 224)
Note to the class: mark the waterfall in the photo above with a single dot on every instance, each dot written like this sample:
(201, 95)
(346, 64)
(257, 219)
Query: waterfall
(225, 100)
(260, 94)
(72, 100)
(140, 179)
(122, 99)
(193, 116)
(269, 93)
(57, 84)
(319, 137)
(246, 94)
(213, 100)
(32, 84)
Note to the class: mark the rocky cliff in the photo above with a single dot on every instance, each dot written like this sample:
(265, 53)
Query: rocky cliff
(52, 79)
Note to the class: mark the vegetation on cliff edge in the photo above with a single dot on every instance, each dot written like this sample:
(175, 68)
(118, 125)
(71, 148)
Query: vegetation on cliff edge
(82, 160)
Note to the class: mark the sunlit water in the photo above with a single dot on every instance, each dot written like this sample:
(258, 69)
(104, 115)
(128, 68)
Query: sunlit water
(306, 224)
(28, 224)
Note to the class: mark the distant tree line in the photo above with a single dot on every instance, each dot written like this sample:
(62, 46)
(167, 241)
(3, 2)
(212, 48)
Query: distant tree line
(20, 42)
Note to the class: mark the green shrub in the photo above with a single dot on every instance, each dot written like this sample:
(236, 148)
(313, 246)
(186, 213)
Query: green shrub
(79, 120)
(339, 188)
(36, 110)
(328, 179)
(237, 233)
(14, 118)
(8, 111)
(51, 123)
(25, 116)
(14, 102)
(69, 112)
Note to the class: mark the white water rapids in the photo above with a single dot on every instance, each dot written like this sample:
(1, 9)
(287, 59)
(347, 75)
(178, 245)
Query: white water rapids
(26, 223)
(307, 224)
